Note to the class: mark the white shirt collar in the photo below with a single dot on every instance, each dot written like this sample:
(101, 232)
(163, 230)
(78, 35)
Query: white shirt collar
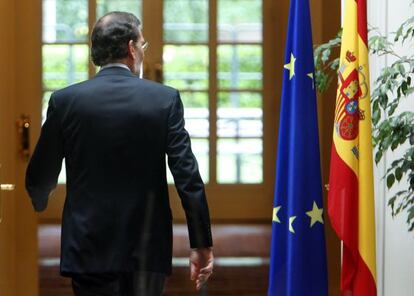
(115, 65)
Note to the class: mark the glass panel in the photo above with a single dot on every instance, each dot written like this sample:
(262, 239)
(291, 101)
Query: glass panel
(45, 104)
(65, 21)
(239, 115)
(185, 20)
(200, 149)
(196, 113)
(105, 6)
(240, 20)
(186, 67)
(64, 65)
(240, 66)
(240, 161)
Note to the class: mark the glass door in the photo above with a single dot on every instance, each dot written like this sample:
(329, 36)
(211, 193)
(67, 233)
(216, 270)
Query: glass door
(212, 51)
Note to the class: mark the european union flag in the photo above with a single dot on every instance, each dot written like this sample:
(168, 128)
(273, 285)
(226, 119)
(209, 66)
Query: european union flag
(298, 255)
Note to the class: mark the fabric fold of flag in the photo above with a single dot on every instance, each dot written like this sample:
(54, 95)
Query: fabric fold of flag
(298, 255)
(351, 193)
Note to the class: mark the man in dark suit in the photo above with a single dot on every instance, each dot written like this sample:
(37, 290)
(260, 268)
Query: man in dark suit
(114, 131)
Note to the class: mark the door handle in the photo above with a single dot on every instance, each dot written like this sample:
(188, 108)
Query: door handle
(23, 125)
(4, 187)
(7, 187)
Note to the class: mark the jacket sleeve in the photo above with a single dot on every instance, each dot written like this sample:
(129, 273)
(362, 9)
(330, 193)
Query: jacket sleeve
(190, 187)
(46, 162)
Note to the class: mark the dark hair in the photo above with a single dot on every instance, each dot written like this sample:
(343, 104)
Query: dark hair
(111, 35)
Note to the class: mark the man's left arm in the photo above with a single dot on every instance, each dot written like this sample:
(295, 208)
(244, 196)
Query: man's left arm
(46, 162)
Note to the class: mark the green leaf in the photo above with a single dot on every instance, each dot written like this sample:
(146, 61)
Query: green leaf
(404, 88)
(390, 180)
(410, 214)
(410, 91)
(326, 54)
(398, 174)
(394, 145)
(392, 109)
(378, 156)
(391, 203)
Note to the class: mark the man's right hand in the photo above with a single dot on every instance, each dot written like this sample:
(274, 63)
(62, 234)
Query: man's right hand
(201, 265)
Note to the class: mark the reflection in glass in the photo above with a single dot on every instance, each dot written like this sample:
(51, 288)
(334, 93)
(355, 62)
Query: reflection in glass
(132, 6)
(200, 149)
(240, 161)
(185, 20)
(240, 21)
(64, 65)
(240, 66)
(240, 115)
(65, 21)
(186, 67)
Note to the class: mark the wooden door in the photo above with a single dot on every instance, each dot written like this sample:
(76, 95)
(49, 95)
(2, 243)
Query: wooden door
(18, 228)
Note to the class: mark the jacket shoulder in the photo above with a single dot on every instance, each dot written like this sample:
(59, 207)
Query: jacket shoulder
(60, 94)
(159, 88)
(153, 89)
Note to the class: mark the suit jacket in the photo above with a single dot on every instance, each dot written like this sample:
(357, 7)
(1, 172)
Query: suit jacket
(114, 132)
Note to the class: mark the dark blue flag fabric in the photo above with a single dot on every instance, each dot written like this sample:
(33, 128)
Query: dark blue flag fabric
(298, 255)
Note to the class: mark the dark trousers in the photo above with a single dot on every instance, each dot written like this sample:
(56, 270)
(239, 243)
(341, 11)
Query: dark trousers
(118, 284)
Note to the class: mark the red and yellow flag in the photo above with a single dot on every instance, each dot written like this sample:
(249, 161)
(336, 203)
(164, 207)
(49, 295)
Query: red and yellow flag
(351, 192)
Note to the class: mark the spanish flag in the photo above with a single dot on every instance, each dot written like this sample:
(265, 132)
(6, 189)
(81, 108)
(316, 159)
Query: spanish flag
(351, 193)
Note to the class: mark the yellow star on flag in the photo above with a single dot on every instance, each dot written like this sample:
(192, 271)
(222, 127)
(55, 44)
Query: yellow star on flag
(275, 217)
(315, 214)
(291, 219)
(291, 66)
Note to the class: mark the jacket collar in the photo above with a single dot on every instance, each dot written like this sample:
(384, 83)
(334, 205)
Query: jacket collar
(115, 70)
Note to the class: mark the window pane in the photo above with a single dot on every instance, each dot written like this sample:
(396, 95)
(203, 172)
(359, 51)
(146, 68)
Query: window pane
(64, 65)
(185, 20)
(65, 20)
(105, 6)
(200, 150)
(196, 113)
(45, 104)
(240, 66)
(186, 67)
(240, 161)
(240, 20)
(239, 115)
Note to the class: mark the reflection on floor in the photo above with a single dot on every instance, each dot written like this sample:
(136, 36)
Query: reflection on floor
(241, 266)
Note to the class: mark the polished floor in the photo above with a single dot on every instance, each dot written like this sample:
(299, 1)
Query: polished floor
(241, 265)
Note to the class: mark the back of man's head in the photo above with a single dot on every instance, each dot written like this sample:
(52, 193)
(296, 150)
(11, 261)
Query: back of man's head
(111, 35)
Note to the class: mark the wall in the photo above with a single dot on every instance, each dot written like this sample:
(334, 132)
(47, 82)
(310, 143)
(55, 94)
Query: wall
(395, 257)
(325, 25)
